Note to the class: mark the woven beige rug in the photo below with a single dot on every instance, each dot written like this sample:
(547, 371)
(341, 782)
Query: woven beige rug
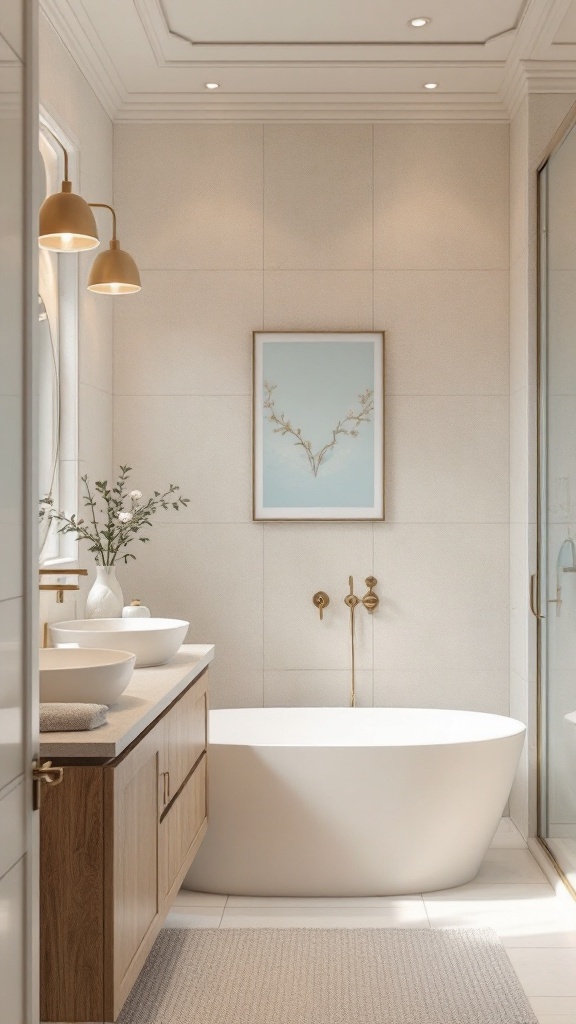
(327, 976)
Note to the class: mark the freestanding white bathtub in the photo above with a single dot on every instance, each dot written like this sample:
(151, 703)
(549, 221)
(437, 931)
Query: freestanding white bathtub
(352, 802)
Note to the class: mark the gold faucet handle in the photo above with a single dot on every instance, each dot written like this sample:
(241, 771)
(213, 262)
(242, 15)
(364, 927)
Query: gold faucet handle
(61, 587)
(371, 600)
(321, 601)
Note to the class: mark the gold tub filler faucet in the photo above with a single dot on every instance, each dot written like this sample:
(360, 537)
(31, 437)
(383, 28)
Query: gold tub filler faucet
(370, 602)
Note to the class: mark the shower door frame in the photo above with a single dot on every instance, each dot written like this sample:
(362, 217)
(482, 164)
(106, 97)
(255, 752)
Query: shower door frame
(560, 135)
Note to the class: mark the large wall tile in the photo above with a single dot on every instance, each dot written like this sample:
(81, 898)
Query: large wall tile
(95, 340)
(523, 457)
(317, 197)
(235, 686)
(441, 632)
(299, 559)
(519, 795)
(522, 365)
(446, 331)
(212, 576)
(184, 347)
(95, 431)
(519, 599)
(188, 333)
(440, 197)
(316, 689)
(446, 459)
(430, 685)
(189, 196)
(187, 441)
(318, 300)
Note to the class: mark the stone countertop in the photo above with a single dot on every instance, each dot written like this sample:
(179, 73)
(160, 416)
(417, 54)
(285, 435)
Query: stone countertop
(149, 693)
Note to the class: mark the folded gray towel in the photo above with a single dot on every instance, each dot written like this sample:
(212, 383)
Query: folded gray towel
(60, 717)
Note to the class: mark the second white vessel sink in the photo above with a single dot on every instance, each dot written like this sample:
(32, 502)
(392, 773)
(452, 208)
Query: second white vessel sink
(87, 676)
(153, 641)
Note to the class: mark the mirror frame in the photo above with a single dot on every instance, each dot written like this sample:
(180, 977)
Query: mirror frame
(66, 304)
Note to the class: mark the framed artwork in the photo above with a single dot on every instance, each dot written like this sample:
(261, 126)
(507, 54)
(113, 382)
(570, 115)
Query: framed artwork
(318, 425)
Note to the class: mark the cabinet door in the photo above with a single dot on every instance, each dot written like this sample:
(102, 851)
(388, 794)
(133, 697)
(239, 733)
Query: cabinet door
(185, 738)
(131, 866)
(182, 829)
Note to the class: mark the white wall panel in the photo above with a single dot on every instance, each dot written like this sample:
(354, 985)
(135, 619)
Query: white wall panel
(249, 227)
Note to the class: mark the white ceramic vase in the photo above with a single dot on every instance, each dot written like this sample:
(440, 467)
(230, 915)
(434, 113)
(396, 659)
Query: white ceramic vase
(105, 600)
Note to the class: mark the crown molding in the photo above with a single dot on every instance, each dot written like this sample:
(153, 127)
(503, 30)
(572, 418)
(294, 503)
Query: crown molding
(310, 108)
(538, 77)
(92, 59)
(520, 77)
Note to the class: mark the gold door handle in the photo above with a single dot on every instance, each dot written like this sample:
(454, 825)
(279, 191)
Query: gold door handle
(533, 589)
(44, 774)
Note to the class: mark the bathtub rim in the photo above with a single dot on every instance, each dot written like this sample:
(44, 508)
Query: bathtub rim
(516, 728)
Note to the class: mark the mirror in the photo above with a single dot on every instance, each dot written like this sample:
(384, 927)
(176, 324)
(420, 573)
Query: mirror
(48, 421)
(57, 361)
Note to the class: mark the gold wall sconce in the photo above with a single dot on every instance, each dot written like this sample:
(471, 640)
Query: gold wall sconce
(113, 272)
(67, 224)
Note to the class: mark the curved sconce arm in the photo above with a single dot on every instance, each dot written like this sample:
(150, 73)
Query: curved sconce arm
(104, 206)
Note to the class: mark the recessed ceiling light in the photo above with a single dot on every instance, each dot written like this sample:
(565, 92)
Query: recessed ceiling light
(419, 22)
(212, 85)
(431, 85)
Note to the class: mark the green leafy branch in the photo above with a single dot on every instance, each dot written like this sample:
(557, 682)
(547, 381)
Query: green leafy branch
(348, 426)
(110, 527)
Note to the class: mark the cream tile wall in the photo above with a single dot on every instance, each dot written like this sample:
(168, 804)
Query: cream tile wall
(67, 97)
(248, 227)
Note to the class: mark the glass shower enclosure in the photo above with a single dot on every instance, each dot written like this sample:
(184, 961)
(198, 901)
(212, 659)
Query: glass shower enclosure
(557, 506)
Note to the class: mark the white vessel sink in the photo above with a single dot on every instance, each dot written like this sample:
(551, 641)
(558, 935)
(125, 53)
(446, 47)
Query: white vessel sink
(153, 641)
(84, 675)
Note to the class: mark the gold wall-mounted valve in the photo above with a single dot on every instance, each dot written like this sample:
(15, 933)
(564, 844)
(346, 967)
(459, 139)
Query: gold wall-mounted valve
(371, 600)
(321, 601)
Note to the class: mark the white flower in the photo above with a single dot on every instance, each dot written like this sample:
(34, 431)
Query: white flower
(124, 517)
(135, 495)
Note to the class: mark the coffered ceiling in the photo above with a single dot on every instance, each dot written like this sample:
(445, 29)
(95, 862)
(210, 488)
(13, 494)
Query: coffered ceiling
(318, 59)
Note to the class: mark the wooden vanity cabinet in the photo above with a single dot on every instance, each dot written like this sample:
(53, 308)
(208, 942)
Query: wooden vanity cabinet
(116, 841)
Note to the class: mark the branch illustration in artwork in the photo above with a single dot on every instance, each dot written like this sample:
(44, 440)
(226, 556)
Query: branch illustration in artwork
(348, 426)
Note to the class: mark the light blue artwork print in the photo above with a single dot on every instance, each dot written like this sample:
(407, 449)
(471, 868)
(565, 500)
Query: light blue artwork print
(318, 424)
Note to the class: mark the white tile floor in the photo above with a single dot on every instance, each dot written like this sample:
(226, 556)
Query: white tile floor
(510, 894)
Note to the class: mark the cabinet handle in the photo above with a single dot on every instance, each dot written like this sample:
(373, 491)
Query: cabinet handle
(168, 779)
(166, 786)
